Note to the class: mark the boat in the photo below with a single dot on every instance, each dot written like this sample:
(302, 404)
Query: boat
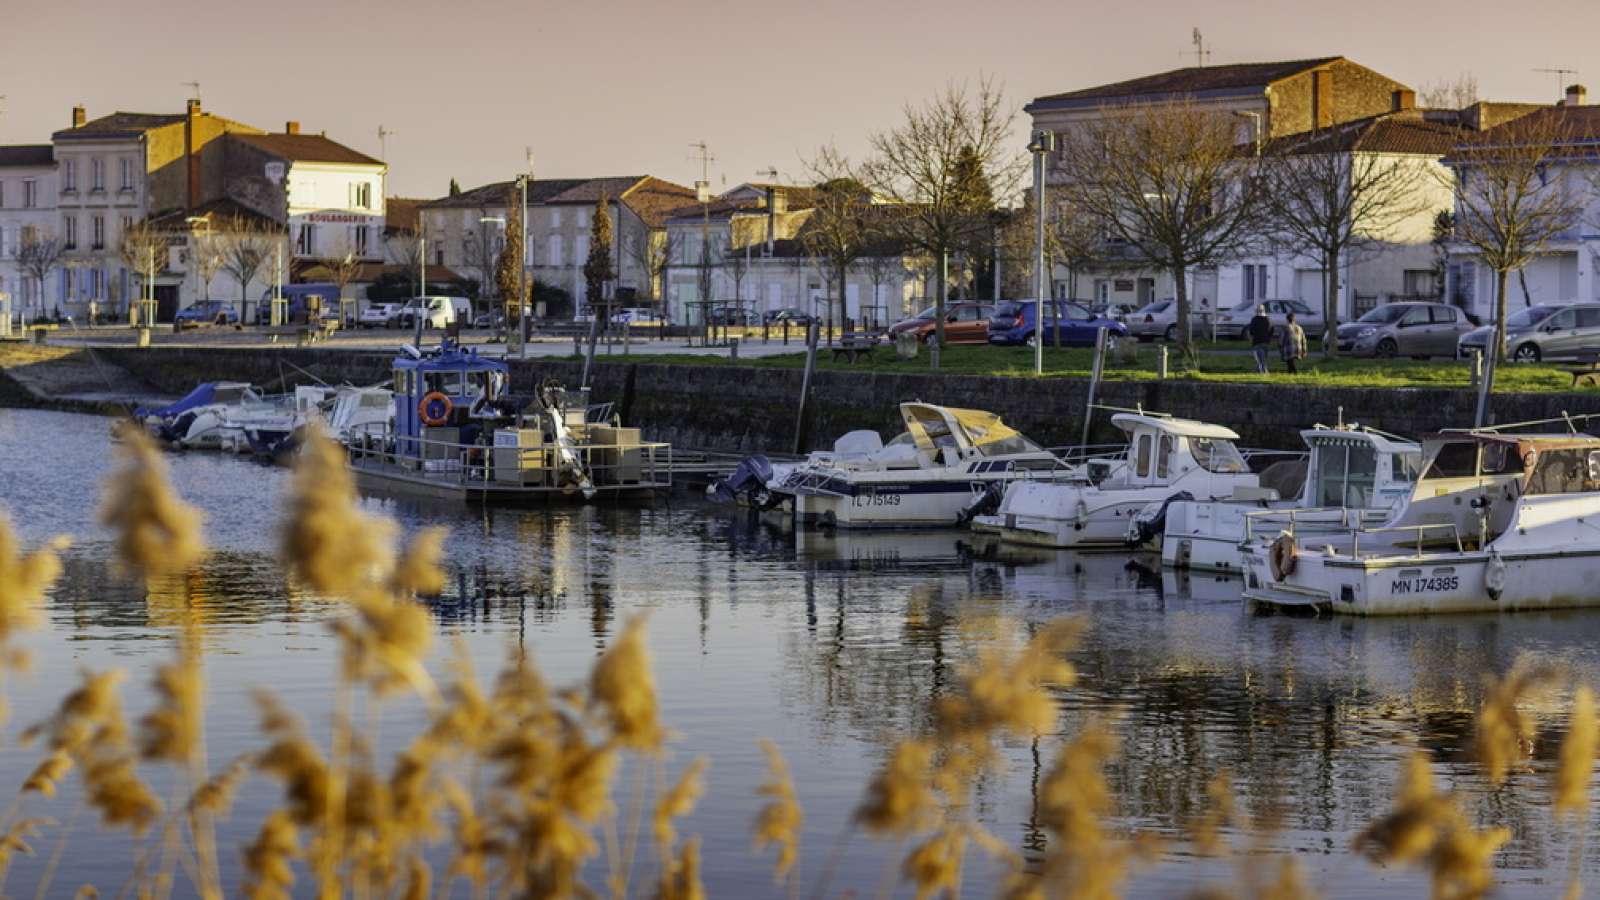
(458, 433)
(1497, 521)
(1353, 477)
(1167, 460)
(171, 424)
(343, 411)
(755, 481)
(931, 475)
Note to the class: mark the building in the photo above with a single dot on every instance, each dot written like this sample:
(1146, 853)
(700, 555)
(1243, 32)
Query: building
(465, 231)
(1270, 101)
(738, 233)
(27, 211)
(119, 169)
(1565, 271)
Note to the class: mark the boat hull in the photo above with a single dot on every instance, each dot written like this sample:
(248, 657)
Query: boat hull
(899, 505)
(396, 480)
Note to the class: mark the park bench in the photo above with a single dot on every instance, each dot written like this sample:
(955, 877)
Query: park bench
(854, 345)
(1585, 367)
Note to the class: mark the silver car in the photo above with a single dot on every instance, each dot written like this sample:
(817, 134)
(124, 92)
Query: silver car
(1418, 330)
(1235, 322)
(1154, 320)
(1543, 332)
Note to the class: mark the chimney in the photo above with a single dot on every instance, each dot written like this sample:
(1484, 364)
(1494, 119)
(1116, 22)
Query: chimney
(291, 127)
(194, 106)
(1402, 100)
(1322, 98)
(79, 116)
(1577, 95)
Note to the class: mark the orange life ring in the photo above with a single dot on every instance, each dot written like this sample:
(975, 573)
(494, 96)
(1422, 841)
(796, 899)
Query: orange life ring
(1283, 557)
(428, 400)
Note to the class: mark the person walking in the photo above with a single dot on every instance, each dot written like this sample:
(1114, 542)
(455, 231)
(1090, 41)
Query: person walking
(1292, 343)
(1260, 332)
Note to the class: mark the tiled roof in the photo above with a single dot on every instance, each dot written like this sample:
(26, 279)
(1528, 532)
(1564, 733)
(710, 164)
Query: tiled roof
(540, 190)
(27, 155)
(1192, 80)
(718, 210)
(402, 213)
(653, 198)
(119, 124)
(220, 211)
(1577, 127)
(881, 245)
(649, 197)
(1377, 134)
(307, 148)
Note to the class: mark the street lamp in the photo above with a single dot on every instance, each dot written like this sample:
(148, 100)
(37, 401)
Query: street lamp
(505, 236)
(1044, 142)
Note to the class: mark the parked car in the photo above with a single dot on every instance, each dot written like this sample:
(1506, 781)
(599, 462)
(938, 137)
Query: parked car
(964, 323)
(206, 312)
(1235, 322)
(1418, 330)
(297, 299)
(636, 315)
(380, 315)
(1158, 319)
(791, 315)
(1547, 331)
(435, 312)
(495, 318)
(1066, 324)
(1119, 311)
(730, 315)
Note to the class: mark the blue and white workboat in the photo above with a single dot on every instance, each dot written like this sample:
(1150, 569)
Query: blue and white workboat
(1354, 477)
(457, 432)
(1496, 522)
(933, 474)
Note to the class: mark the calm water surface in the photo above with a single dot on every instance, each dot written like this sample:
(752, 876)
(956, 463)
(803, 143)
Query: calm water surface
(830, 646)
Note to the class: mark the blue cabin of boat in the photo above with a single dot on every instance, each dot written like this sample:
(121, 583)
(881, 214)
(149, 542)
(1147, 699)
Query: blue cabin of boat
(471, 383)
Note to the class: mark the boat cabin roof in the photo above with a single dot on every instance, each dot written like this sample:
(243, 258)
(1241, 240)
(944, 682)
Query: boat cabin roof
(932, 427)
(1542, 463)
(1182, 427)
(1349, 437)
(449, 359)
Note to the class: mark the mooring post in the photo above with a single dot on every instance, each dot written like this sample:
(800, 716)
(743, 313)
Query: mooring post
(1161, 363)
(805, 385)
(733, 349)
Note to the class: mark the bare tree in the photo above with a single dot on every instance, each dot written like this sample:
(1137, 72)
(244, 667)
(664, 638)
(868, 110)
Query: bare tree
(1168, 180)
(343, 266)
(882, 261)
(478, 250)
(39, 254)
(944, 164)
(144, 249)
(736, 263)
(1459, 93)
(652, 252)
(840, 225)
(1512, 197)
(206, 257)
(1079, 242)
(246, 247)
(1333, 201)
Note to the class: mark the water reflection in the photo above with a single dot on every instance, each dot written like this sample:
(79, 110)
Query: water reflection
(835, 644)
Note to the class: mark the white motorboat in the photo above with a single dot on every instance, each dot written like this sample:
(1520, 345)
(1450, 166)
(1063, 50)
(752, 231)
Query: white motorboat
(1167, 459)
(1496, 522)
(1355, 477)
(356, 409)
(755, 481)
(220, 426)
(931, 475)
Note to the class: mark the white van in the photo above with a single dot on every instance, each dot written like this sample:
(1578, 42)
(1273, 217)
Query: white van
(436, 312)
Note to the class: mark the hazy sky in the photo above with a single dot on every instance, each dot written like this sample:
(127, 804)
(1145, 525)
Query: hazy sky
(598, 87)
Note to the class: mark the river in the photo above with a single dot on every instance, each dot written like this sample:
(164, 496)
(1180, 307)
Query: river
(831, 646)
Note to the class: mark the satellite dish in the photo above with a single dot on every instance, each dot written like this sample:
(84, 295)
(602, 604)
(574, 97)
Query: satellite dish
(274, 172)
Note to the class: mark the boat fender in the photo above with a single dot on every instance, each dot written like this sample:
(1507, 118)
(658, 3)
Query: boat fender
(1494, 576)
(1082, 513)
(1283, 557)
(434, 409)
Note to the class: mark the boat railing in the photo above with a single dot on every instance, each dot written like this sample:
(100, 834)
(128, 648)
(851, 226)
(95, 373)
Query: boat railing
(1315, 518)
(1420, 531)
(633, 464)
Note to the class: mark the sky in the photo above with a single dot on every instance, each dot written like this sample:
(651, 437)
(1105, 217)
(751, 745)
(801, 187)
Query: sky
(600, 87)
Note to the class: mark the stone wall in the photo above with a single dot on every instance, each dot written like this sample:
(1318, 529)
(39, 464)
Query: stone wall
(749, 408)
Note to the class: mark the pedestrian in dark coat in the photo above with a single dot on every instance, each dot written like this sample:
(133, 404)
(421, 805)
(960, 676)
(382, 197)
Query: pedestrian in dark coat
(1260, 332)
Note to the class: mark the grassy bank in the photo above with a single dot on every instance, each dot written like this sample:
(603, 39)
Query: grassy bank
(1219, 366)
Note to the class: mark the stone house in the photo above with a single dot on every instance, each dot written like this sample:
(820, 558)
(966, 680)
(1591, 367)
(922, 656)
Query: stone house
(27, 204)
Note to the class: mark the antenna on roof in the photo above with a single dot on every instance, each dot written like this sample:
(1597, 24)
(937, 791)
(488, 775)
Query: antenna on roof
(770, 173)
(383, 143)
(1200, 51)
(1561, 77)
(195, 86)
(704, 157)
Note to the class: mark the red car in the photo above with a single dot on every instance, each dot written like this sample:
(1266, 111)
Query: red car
(964, 323)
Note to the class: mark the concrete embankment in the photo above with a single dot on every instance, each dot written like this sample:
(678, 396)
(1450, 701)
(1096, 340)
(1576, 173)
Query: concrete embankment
(748, 408)
(69, 378)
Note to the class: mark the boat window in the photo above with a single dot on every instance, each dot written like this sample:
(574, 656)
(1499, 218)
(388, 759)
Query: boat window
(1217, 455)
(1016, 443)
(1163, 456)
(937, 430)
(1360, 476)
(1142, 465)
(1458, 459)
(1405, 467)
(375, 400)
(1570, 471)
(1501, 459)
(451, 384)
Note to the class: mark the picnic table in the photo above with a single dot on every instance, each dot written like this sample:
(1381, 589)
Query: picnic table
(855, 345)
(1585, 367)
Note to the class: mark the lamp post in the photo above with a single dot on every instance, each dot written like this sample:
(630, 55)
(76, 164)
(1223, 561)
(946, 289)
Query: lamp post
(1043, 142)
(523, 322)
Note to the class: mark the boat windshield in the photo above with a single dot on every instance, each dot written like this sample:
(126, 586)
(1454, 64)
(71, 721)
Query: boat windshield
(936, 429)
(1217, 455)
(1006, 446)
(1405, 467)
(451, 384)
(1458, 459)
(1346, 475)
(1573, 470)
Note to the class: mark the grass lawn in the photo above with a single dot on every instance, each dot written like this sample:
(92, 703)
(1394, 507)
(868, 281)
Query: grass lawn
(1228, 365)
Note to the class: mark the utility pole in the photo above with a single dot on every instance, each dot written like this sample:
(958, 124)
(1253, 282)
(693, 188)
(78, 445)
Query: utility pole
(702, 189)
(1200, 51)
(523, 324)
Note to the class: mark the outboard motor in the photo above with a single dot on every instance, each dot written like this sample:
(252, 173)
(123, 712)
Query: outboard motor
(748, 479)
(985, 504)
(1151, 521)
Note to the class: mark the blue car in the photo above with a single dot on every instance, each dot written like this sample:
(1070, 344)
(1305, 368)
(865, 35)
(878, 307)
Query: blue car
(1067, 324)
(207, 312)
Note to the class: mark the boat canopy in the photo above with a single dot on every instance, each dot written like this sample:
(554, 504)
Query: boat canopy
(1182, 427)
(1543, 463)
(206, 394)
(937, 427)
